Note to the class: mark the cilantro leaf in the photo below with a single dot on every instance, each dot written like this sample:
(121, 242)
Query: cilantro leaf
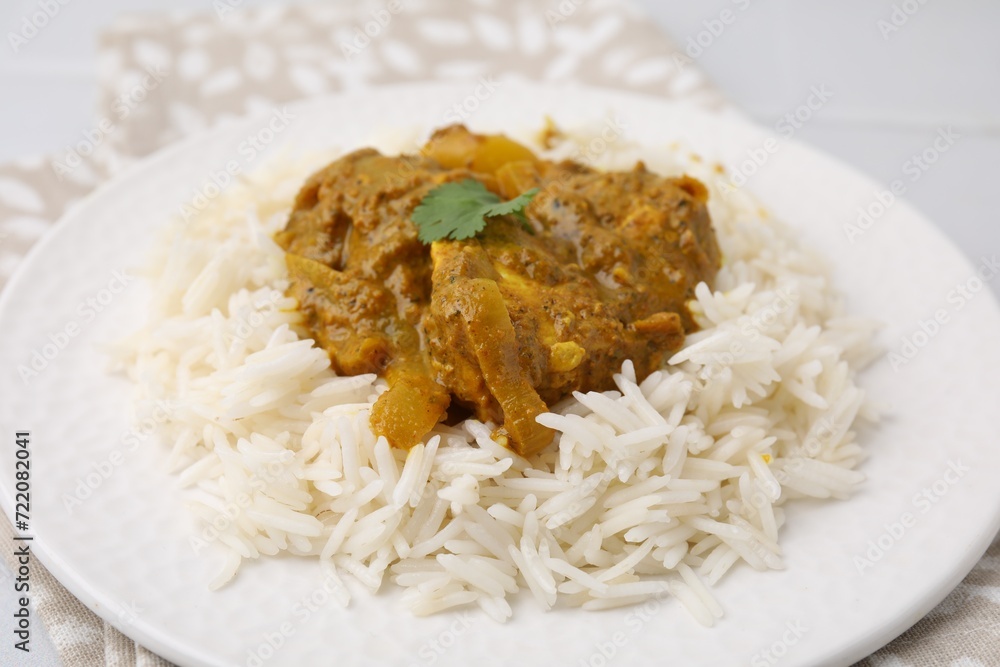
(459, 210)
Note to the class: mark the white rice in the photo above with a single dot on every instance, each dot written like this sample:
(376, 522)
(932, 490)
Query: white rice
(650, 489)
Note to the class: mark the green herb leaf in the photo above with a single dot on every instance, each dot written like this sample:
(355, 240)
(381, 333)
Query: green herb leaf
(459, 210)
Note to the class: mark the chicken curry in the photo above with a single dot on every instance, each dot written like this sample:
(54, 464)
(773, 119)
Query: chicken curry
(597, 270)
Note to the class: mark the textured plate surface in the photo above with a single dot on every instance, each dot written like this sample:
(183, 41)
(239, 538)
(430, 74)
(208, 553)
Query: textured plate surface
(109, 522)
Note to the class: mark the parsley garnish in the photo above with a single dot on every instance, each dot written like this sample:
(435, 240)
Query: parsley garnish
(459, 210)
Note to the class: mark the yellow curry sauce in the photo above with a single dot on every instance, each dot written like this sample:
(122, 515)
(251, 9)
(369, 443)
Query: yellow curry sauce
(508, 322)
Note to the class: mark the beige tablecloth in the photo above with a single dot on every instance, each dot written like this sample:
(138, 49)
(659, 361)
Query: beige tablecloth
(163, 77)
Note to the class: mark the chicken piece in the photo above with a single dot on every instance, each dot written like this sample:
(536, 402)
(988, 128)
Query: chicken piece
(362, 280)
(567, 338)
(475, 349)
(357, 322)
(648, 240)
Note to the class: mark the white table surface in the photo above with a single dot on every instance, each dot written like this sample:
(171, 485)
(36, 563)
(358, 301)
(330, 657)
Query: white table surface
(890, 97)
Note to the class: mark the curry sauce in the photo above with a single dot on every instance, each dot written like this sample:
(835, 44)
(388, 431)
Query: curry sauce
(508, 322)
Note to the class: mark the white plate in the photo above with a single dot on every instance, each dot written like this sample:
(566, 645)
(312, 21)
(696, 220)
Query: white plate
(124, 551)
